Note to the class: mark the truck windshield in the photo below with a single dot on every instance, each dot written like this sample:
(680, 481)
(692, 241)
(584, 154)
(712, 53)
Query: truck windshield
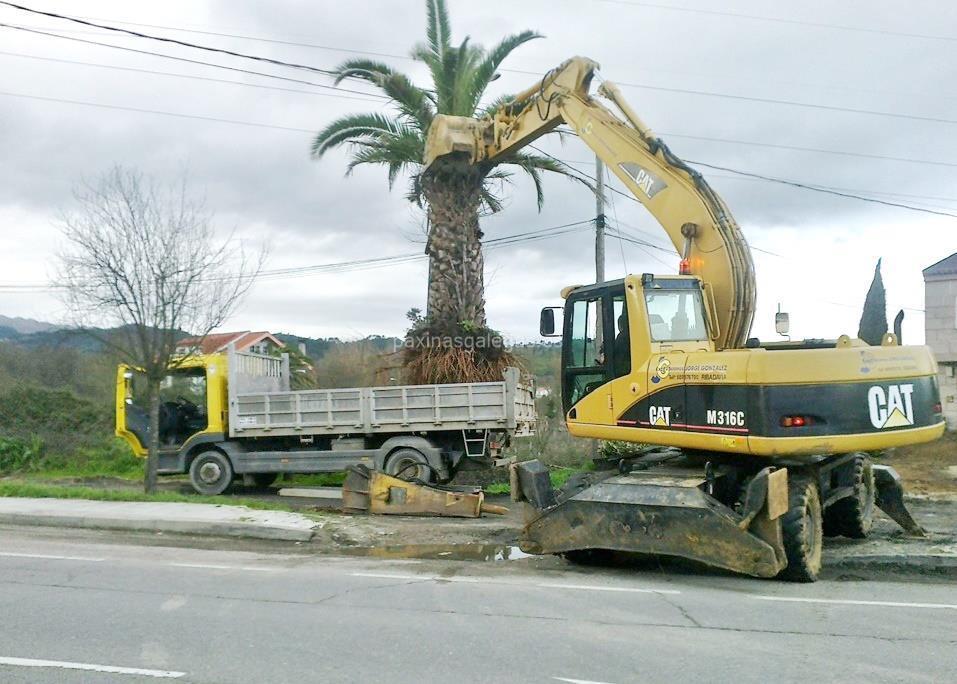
(675, 315)
(182, 405)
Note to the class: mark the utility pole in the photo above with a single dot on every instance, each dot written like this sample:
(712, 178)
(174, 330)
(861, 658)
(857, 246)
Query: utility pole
(599, 221)
(599, 261)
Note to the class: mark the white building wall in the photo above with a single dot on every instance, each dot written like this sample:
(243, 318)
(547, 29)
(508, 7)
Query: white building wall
(947, 379)
(940, 307)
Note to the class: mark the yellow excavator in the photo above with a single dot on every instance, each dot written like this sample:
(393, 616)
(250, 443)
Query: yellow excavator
(755, 451)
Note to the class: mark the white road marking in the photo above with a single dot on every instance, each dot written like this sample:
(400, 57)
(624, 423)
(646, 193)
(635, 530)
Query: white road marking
(851, 602)
(10, 554)
(544, 585)
(111, 669)
(579, 681)
(598, 587)
(205, 566)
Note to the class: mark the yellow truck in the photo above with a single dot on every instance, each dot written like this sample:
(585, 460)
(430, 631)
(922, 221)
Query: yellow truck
(230, 415)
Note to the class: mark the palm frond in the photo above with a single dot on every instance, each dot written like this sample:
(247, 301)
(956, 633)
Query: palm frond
(485, 71)
(438, 29)
(493, 106)
(363, 69)
(534, 164)
(356, 127)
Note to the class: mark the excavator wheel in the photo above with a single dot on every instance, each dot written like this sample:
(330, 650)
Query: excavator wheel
(853, 516)
(802, 529)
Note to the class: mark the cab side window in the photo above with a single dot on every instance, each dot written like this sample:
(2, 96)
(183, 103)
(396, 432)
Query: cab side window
(621, 346)
(585, 362)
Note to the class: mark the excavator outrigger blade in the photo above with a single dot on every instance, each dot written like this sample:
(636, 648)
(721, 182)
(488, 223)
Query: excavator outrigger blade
(656, 513)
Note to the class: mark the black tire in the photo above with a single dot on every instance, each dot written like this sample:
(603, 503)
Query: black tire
(853, 516)
(211, 473)
(263, 480)
(408, 464)
(802, 529)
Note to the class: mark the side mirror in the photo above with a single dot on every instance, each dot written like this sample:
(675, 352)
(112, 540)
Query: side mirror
(546, 322)
(782, 323)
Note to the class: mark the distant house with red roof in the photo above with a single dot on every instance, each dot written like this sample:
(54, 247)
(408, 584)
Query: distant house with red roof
(260, 342)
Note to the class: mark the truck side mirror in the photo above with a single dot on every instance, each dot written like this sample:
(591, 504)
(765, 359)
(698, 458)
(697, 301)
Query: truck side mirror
(546, 322)
(782, 323)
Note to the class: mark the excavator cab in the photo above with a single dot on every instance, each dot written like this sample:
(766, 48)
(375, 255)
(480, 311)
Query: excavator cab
(626, 337)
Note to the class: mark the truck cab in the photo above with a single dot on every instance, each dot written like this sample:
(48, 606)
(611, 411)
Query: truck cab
(192, 407)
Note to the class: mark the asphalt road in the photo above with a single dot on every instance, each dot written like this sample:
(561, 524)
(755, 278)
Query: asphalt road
(77, 609)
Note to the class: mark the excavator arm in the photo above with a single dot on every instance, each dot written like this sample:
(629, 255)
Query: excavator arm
(695, 218)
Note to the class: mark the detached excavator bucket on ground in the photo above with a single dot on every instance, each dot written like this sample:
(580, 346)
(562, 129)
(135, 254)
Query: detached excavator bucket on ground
(373, 492)
(671, 508)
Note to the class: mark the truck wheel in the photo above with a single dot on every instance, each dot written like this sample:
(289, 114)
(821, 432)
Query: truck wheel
(211, 473)
(802, 530)
(853, 516)
(408, 464)
(263, 480)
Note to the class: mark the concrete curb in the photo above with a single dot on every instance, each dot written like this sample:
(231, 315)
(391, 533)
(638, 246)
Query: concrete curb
(196, 528)
(926, 565)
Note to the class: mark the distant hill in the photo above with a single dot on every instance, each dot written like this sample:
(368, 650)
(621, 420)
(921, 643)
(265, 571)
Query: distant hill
(23, 326)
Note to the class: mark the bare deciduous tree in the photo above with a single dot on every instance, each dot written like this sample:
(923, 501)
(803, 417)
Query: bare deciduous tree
(142, 258)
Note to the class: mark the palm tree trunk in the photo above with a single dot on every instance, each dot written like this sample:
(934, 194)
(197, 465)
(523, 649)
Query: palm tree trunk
(456, 262)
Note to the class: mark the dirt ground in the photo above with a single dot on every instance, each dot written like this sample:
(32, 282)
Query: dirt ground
(927, 469)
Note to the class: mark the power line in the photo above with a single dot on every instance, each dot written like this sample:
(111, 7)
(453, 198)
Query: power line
(780, 20)
(672, 135)
(358, 264)
(194, 61)
(582, 162)
(729, 141)
(770, 179)
(189, 76)
(146, 36)
(814, 188)
(790, 103)
(156, 111)
(331, 48)
(329, 72)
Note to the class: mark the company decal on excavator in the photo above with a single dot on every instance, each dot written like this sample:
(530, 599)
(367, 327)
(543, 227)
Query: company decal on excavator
(649, 183)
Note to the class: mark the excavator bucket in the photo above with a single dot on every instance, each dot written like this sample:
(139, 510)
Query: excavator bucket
(371, 491)
(659, 512)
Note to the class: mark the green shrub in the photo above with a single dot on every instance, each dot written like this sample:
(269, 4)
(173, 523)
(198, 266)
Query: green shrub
(18, 455)
(62, 421)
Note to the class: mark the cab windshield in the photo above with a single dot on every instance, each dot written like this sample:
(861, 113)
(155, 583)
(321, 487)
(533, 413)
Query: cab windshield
(675, 315)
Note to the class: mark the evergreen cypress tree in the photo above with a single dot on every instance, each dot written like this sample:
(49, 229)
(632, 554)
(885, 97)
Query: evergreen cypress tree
(874, 318)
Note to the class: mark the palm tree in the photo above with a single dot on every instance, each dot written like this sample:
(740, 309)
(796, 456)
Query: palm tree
(456, 193)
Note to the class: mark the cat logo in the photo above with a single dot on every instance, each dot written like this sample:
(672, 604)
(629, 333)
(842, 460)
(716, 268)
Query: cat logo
(891, 407)
(648, 182)
(659, 415)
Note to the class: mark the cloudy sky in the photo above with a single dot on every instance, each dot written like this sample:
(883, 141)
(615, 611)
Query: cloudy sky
(702, 74)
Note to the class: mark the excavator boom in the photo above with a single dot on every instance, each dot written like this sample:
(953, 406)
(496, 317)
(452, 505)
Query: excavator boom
(695, 218)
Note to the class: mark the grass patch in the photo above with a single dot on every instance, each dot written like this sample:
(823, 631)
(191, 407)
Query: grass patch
(35, 490)
(315, 480)
(558, 476)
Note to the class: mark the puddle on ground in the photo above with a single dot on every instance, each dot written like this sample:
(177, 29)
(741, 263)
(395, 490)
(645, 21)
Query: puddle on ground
(469, 552)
